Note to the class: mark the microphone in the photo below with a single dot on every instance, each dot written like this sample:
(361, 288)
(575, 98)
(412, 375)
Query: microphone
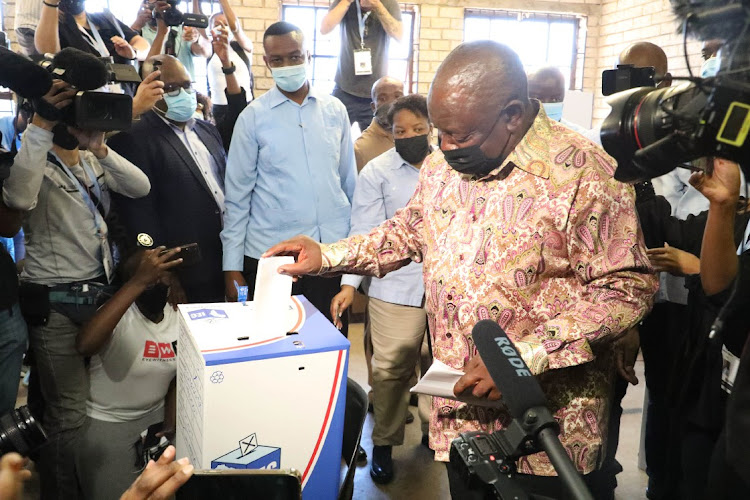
(82, 70)
(711, 18)
(22, 76)
(525, 400)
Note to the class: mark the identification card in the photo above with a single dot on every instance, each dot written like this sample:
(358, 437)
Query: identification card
(107, 259)
(362, 62)
(730, 365)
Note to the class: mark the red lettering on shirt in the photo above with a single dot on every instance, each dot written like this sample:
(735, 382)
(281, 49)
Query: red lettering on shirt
(165, 350)
(151, 350)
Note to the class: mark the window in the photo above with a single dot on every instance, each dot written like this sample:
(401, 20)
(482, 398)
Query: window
(539, 39)
(324, 49)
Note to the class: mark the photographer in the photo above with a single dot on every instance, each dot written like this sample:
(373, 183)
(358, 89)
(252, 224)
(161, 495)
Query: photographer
(98, 34)
(234, 93)
(63, 177)
(721, 261)
(131, 343)
(183, 42)
(241, 58)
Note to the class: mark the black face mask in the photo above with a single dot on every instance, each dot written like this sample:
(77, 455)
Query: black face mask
(61, 137)
(152, 301)
(73, 7)
(471, 160)
(413, 149)
(381, 116)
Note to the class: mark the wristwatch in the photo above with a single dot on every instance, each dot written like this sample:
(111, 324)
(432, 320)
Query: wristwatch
(229, 71)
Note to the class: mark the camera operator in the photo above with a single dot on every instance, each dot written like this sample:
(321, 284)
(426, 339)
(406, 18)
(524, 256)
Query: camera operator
(236, 96)
(68, 264)
(131, 341)
(11, 127)
(183, 42)
(98, 34)
(721, 261)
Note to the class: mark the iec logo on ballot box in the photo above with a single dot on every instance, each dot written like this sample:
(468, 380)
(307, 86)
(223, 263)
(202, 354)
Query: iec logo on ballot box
(260, 393)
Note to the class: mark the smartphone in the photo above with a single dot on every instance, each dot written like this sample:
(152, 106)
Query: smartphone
(239, 484)
(190, 254)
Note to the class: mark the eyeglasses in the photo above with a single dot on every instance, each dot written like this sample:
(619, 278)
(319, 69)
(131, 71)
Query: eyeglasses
(174, 89)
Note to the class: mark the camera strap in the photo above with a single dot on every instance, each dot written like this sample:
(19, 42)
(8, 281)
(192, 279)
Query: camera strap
(99, 224)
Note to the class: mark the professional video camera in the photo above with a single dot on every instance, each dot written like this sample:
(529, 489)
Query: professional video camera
(93, 110)
(173, 17)
(489, 459)
(90, 110)
(20, 432)
(652, 131)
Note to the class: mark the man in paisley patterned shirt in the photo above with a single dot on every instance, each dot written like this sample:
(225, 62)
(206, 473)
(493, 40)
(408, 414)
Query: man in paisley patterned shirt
(516, 219)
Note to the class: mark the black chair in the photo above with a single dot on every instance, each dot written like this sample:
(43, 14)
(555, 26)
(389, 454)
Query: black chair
(354, 420)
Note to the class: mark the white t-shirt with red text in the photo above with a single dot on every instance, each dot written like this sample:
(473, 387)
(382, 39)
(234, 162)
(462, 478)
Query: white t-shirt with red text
(131, 375)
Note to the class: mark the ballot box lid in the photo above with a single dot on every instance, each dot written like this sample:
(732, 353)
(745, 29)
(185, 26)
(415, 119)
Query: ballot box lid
(228, 333)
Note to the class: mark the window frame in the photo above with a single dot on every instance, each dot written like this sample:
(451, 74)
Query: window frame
(412, 63)
(578, 21)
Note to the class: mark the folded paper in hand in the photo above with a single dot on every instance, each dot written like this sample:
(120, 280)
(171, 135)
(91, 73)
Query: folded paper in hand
(439, 381)
(272, 293)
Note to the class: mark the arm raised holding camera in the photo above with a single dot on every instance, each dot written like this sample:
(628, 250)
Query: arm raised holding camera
(152, 269)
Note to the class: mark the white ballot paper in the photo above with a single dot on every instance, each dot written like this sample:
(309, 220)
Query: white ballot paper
(439, 381)
(272, 293)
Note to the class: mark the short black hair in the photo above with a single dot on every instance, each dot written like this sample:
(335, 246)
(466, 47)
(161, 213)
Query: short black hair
(281, 28)
(415, 103)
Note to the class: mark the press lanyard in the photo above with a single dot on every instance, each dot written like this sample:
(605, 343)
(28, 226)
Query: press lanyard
(99, 45)
(99, 223)
(361, 19)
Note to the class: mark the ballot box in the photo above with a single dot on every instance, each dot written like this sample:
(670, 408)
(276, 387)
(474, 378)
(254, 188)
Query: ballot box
(255, 398)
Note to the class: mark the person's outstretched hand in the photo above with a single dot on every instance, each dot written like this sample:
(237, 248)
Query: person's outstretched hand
(12, 476)
(306, 252)
(341, 303)
(477, 381)
(160, 479)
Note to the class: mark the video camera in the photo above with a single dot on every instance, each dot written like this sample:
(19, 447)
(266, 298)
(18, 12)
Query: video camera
(652, 131)
(92, 110)
(174, 17)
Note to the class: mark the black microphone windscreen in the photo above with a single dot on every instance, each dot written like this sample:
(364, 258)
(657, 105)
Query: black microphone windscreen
(22, 76)
(508, 370)
(710, 18)
(82, 70)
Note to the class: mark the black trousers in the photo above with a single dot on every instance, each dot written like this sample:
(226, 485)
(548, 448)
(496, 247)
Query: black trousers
(358, 108)
(319, 291)
(538, 487)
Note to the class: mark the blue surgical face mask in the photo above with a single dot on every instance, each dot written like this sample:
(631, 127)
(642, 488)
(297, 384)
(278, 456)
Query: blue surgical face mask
(290, 78)
(553, 110)
(710, 67)
(180, 108)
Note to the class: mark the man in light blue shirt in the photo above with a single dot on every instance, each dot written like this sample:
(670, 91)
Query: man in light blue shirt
(11, 127)
(291, 170)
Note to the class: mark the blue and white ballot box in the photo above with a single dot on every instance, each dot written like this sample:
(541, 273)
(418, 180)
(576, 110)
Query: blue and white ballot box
(250, 399)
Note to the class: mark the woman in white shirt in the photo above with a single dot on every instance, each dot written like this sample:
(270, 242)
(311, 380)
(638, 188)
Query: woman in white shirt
(132, 343)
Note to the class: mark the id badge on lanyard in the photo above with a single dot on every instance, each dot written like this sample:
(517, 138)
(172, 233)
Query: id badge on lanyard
(363, 55)
(101, 227)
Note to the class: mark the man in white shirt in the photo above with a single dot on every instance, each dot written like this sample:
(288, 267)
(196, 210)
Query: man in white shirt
(27, 17)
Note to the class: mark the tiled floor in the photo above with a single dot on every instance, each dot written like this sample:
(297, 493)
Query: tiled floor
(419, 477)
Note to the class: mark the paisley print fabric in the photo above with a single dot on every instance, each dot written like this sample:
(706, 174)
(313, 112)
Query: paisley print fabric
(549, 246)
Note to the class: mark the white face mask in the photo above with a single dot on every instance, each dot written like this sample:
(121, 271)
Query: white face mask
(554, 110)
(710, 67)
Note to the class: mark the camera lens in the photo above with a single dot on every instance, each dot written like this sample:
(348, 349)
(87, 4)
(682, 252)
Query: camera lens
(20, 432)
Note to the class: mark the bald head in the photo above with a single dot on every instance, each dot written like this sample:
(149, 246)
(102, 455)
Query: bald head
(644, 55)
(386, 90)
(547, 84)
(479, 76)
(172, 70)
(479, 98)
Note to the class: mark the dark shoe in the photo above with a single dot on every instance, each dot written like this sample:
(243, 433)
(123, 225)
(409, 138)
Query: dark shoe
(361, 456)
(409, 417)
(381, 468)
